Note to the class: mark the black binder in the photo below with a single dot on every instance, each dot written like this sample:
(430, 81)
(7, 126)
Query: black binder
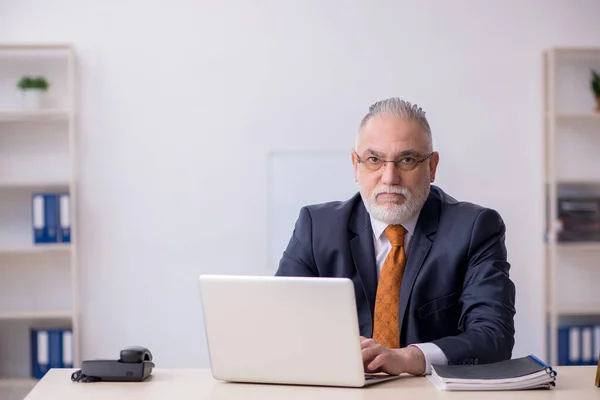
(519, 373)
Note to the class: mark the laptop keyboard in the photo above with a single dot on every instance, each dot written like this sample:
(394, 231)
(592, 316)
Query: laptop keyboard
(370, 377)
(376, 377)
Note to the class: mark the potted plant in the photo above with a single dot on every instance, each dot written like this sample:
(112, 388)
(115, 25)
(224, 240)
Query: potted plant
(595, 86)
(32, 88)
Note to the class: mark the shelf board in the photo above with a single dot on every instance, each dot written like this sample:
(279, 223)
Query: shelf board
(18, 382)
(584, 246)
(591, 116)
(34, 184)
(36, 249)
(35, 314)
(578, 309)
(575, 182)
(34, 115)
(577, 50)
(35, 46)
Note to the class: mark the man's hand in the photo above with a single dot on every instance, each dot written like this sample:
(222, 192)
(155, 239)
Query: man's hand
(377, 358)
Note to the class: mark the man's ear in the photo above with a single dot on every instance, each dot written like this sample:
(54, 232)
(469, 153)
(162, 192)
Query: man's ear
(355, 164)
(433, 163)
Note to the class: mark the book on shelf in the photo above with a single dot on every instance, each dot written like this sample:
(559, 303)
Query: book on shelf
(51, 217)
(516, 374)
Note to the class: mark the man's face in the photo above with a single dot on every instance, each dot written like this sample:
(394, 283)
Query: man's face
(390, 193)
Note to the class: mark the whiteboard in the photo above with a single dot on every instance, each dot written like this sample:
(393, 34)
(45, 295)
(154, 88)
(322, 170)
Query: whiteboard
(299, 178)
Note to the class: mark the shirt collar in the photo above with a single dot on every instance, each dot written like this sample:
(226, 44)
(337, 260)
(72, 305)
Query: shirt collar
(379, 226)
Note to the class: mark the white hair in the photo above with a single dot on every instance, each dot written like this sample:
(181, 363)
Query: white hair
(400, 108)
(395, 214)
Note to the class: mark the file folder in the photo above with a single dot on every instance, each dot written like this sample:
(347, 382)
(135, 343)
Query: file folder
(574, 346)
(578, 344)
(38, 218)
(45, 218)
(55, 348)
(65, 218)
(596, 345)
(40, 353)
(563, 345)
(67, 348)
(586, 345)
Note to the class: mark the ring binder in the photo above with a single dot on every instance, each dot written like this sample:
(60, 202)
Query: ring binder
(548, 368)
(522, 373)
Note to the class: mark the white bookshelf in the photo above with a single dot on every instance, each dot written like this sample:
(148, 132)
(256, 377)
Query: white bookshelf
(571, 147)
(38, 282)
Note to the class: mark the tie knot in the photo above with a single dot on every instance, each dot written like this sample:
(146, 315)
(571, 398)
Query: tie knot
(395, 234)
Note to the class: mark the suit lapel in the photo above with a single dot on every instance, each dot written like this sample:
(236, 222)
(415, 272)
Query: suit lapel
(419, 248)
(363, 252)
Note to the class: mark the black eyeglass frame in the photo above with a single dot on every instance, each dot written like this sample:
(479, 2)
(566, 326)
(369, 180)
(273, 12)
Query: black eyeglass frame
(396, 162)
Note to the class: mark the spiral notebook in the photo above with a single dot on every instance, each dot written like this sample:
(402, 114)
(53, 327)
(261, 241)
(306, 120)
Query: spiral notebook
(516, 374)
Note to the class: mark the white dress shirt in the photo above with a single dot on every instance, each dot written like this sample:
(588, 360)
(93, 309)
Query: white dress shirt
(433, 354)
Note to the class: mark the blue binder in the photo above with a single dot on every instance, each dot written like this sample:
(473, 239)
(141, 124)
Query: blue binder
(45, 218)
(38, 218)
(563, 345)
(67, 348)
(65, 218)
(578, 344)
(55, 355)
(596, 344)
(50, 348)
(587, 343)
(40, 352)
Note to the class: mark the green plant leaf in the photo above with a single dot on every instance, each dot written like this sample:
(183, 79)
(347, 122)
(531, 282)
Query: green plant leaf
(29, 82)
(595, 83)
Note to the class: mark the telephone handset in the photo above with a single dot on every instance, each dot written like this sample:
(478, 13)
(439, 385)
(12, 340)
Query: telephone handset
(134, 365)
(135, 354)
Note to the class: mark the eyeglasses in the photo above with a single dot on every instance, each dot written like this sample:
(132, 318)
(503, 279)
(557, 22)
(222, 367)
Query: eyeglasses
(408, 163)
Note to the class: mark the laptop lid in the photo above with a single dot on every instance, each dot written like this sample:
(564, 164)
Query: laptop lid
(286, 330)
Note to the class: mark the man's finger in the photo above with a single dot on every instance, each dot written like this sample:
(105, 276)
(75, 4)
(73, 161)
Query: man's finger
(371, 371)
(378, 362)
(370, 353)
(368, 343)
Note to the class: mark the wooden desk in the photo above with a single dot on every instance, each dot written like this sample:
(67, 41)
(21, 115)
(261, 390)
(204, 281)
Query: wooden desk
(573, 383)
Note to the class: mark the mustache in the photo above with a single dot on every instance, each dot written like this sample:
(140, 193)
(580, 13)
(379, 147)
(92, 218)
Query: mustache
(391, 190)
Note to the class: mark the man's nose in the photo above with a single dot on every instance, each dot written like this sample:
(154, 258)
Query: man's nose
(391, 175)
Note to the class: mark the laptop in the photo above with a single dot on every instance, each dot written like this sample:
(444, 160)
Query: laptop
(284, 330)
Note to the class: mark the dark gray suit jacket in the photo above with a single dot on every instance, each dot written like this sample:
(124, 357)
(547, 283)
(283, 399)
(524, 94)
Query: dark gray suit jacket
(456, 291)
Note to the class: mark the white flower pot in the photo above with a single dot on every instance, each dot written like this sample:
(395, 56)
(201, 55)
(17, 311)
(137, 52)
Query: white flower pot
(32, 99)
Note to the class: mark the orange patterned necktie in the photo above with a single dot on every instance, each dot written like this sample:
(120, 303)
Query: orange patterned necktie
(385, 323)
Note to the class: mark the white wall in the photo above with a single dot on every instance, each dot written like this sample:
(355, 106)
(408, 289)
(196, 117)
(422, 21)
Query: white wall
(182, 100)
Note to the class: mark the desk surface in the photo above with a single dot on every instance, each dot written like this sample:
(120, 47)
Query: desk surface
(572, 383)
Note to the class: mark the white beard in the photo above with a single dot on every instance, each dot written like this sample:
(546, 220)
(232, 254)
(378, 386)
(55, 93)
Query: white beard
(391, 213)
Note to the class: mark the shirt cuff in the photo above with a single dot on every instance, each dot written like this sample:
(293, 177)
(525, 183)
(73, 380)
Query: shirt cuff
(433, 355)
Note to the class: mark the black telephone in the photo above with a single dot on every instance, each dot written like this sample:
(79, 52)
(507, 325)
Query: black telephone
(134, 365)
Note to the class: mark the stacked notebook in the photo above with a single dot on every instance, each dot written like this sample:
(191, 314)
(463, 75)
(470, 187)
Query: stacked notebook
(516, 374)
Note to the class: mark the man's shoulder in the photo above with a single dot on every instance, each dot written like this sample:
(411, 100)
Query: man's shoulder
(333, 209)
(461, 209)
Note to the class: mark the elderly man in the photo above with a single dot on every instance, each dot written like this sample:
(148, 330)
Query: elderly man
(430, 273)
